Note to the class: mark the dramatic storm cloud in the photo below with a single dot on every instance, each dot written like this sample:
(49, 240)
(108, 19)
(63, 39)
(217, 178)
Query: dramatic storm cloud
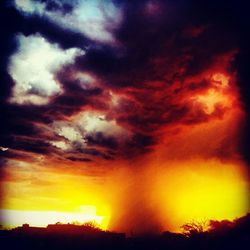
(115, 105)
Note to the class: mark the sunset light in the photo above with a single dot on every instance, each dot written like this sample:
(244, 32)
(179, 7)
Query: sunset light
(203, 191)
(13, 218)
(211, 99)
(124, 119)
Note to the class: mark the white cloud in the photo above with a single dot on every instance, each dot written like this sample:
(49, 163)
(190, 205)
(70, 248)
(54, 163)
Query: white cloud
(69, 133)
(33, 68)
(86, 124)
(95, 19)
(93, 122)
(29, 6)
(61, 145)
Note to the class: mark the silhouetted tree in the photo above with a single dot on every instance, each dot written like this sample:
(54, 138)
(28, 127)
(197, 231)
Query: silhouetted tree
(76, 223)
(194, 227)
(91, 225)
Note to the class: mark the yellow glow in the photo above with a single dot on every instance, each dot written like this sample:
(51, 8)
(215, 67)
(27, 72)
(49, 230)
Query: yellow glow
(211, 99)
(201, 191)
(220, 80)
(51, 197)
(13, 218)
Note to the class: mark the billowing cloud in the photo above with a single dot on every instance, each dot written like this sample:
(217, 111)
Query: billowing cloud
(122, 103)
(97, 123)
(61, 145)
(90, 132)
(29, 6)
(121, 99)
(95, 19)
(33, 68)
(145, 94)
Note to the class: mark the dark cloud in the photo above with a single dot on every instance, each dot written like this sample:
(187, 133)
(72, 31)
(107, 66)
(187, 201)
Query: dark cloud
(72, 158)
(164, 47)
(53, 33)
(32, 145)
(101, 140)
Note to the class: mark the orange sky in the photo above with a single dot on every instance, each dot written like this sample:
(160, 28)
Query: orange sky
(181, 180)
(129, 115)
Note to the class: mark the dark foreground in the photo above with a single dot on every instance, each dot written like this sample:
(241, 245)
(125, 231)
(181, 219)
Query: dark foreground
(223, 235)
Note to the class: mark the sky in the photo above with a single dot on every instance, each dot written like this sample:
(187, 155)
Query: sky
(132, 114)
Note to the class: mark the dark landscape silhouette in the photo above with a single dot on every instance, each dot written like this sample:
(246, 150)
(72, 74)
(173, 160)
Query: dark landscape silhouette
(220, 235)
